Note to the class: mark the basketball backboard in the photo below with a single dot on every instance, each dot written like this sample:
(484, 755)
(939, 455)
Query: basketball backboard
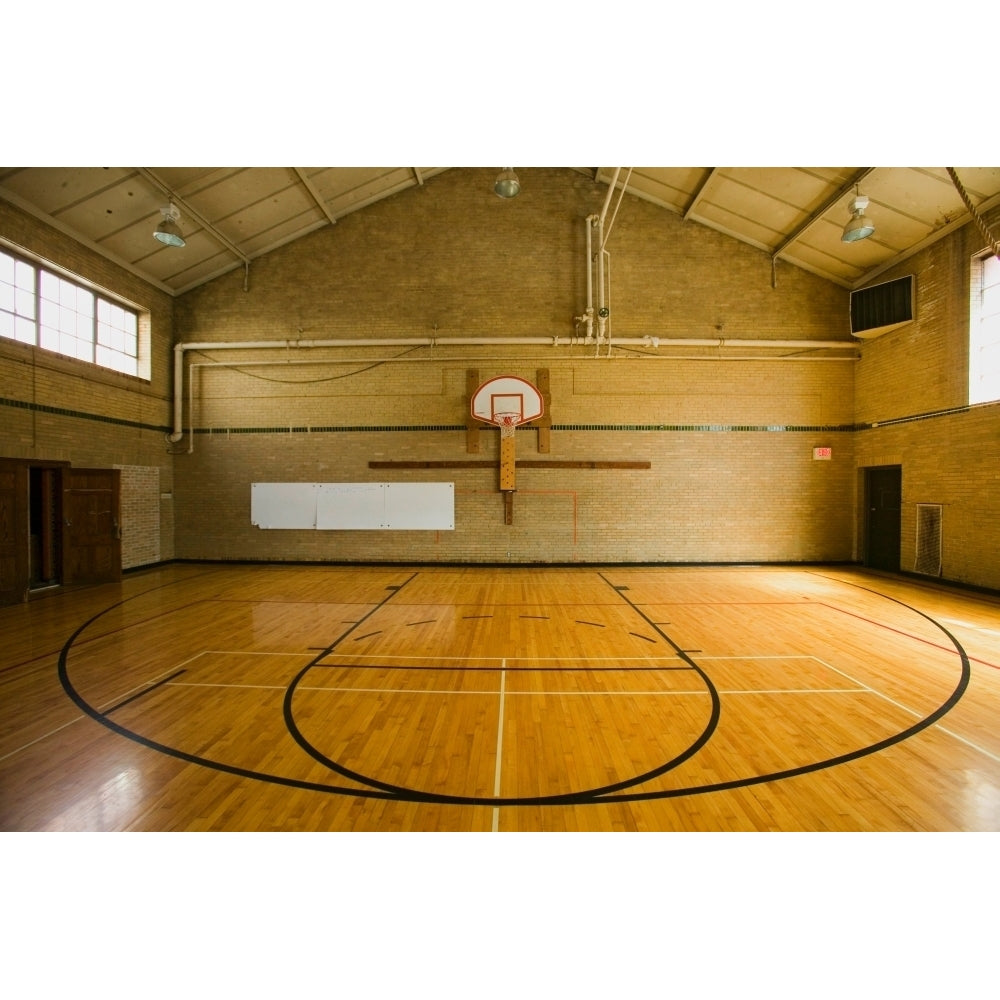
(499, 399)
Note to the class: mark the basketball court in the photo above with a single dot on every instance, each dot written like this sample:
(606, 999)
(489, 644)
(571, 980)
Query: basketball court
(221, 697)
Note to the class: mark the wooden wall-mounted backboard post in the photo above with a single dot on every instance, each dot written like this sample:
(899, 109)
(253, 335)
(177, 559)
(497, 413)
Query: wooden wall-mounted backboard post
(507, 401)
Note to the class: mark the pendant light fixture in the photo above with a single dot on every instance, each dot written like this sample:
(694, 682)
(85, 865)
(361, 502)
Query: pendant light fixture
(507, 185)
(169, 230)
(859, 226)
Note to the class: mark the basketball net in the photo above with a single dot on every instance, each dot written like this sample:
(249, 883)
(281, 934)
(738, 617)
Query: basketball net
(507, 422)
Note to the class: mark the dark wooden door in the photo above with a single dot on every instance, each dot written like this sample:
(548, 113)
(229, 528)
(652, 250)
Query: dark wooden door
(884, 498)
(14, 563)
(92, 548)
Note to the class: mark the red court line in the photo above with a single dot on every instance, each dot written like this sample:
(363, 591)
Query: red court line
(908, 635)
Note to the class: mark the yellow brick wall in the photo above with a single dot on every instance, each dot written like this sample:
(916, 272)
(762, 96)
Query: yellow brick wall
(56, 408)
(729, 442)
(911, 400)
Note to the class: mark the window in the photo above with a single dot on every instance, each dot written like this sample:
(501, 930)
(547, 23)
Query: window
(984, 331)
(47, 310)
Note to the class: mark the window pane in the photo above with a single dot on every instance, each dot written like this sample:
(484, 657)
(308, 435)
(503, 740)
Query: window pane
(6, 296)
(24, 276)
(85, 302)
(6, 325)
(24, 330)
(24, 302)
(49, 313)
(991, 300)
(6, 268)
(67, 294)
(49, 338)
(50, 286)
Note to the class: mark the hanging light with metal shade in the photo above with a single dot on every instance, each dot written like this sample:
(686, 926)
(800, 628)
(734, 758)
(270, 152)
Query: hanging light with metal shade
(859, 226)
(168, 231)
(507, 185)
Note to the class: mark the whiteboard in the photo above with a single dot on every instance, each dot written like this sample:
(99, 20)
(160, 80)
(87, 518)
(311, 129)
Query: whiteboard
(353, 506)
(283, 505)
(420, 506)
(350, 506)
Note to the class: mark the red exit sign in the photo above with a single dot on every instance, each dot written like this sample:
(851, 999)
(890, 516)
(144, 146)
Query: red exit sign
(823, 453)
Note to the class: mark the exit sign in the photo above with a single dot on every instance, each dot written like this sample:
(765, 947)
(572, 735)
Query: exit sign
(823, 453)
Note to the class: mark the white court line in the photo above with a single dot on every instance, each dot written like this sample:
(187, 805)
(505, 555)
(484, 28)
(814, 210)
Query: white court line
(45, 736)
(914, 713)
(112, 702)
(496, 773)
(514, 694)
(533, 659)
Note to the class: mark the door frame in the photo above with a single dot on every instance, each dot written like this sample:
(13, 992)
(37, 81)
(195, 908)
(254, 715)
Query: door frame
(894, 523)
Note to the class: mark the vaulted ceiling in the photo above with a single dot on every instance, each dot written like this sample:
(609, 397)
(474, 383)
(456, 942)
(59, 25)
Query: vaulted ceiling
(231, 215)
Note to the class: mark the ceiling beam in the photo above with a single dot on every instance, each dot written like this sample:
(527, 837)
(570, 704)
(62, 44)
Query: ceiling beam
(189, 211)
(314, 192)
(699, 192)
(858, 177)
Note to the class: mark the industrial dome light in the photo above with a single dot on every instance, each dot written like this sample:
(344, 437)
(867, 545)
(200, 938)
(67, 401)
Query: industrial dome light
(168, 231)
(859, 226)
(507, 185)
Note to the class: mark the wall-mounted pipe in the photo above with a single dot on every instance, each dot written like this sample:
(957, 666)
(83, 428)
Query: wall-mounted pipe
(633, 342)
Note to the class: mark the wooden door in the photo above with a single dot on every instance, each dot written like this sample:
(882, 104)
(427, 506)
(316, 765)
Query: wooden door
(92, 526)
(883, 495)
(14, 563)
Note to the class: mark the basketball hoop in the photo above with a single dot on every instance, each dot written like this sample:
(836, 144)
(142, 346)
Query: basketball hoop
(507, 422)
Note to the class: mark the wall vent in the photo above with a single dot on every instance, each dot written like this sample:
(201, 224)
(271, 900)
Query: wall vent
(881, 308)
(928, 559)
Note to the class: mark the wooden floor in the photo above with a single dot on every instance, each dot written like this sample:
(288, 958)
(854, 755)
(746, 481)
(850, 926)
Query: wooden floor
(330, 698)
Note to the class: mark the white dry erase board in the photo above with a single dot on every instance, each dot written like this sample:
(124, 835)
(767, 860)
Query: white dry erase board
(353, 506)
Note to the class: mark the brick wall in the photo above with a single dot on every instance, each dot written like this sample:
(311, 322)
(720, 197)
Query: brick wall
(911, 398)
(56, 408)
(729, 441)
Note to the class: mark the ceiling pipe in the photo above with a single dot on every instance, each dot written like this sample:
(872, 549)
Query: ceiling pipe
(602, 310)
(633, 342)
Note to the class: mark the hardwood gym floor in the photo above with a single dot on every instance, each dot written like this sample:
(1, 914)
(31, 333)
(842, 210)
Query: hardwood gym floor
(381, 698)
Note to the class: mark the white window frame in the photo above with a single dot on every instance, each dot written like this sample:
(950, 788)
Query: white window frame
(984, 329)
(54, 310)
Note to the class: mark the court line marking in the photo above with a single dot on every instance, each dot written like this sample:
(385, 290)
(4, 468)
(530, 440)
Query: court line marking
(104, 707)
(502, 690)
(917, 715)
(499, 759)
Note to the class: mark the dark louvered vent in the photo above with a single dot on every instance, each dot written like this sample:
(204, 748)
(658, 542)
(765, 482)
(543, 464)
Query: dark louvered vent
(881, 308)
(928, 539)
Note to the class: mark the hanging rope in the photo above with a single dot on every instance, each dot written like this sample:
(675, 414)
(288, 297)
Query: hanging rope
(991, 241)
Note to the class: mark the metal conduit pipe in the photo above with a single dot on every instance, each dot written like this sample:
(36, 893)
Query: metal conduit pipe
(633, 342)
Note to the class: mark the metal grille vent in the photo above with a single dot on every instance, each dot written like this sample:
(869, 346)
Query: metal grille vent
(928, 559)
(881, 308)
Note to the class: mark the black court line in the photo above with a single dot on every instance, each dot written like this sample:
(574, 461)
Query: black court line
(639, 636)
(464, 669)
(367, 635)
(428, 621)
(541, 618)
(595, 624)
(623, 791)
(579, 796)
